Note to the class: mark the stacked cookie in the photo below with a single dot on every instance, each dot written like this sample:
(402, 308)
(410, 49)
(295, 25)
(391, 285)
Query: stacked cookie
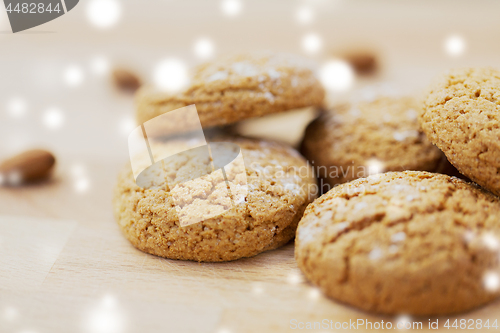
(279, 183)
(412, 242)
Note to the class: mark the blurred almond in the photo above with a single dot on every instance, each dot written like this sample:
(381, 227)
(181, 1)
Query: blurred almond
(363, 62)
(126, 80)
(30, 166)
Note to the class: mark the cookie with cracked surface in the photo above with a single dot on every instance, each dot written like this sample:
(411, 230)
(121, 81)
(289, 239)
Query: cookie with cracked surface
(235, 88)
(354, 141)
(409, 242)
(279, 190)
(461, 115)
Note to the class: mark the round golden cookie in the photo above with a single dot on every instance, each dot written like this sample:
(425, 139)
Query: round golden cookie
(280, 185)
(461, 116)
(354, 141)
(408, 242)
(235, 88)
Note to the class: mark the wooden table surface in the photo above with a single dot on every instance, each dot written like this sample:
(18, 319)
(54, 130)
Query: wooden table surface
(65, 266)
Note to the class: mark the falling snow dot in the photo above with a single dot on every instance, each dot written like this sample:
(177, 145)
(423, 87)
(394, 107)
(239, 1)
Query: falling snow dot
(99, 65)
(375, 167)
(106, 317)
(127, 125)
(404, 322)
(398, 237)
(294, 278)
(231, 8)
(10, 313)
(82, 185)
(375, 254)
(73, 75)
(411, 114)
(304, 15)
(204, 48)
(53, 118)
(17, 107)
(257, 290)
(312, 43)
(341, 226)
(360, 206)
(314, 294)
(171, 75)
(490, 241)
(337, 75)
(454, 45)
(469, 236)
(491, 281)
(103, 13)
(399, 136)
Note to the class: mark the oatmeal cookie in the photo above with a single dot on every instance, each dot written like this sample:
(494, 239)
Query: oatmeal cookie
(354, 141)
(280, 185)
(461, 115)
(235, 88)
(408, 242)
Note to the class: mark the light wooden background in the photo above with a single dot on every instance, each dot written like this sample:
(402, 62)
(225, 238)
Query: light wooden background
(65, 267)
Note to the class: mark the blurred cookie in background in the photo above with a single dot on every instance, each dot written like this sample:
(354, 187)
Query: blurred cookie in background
(356, 140)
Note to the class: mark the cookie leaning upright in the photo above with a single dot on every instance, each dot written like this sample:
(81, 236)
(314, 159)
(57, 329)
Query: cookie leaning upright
(352, 141)
(461, 116)
(279, 189)
(238, 87)
(403, 242)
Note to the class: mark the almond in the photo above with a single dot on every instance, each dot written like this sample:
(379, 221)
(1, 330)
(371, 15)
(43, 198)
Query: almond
(363, 62)
(30, 166)
(126, 80)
